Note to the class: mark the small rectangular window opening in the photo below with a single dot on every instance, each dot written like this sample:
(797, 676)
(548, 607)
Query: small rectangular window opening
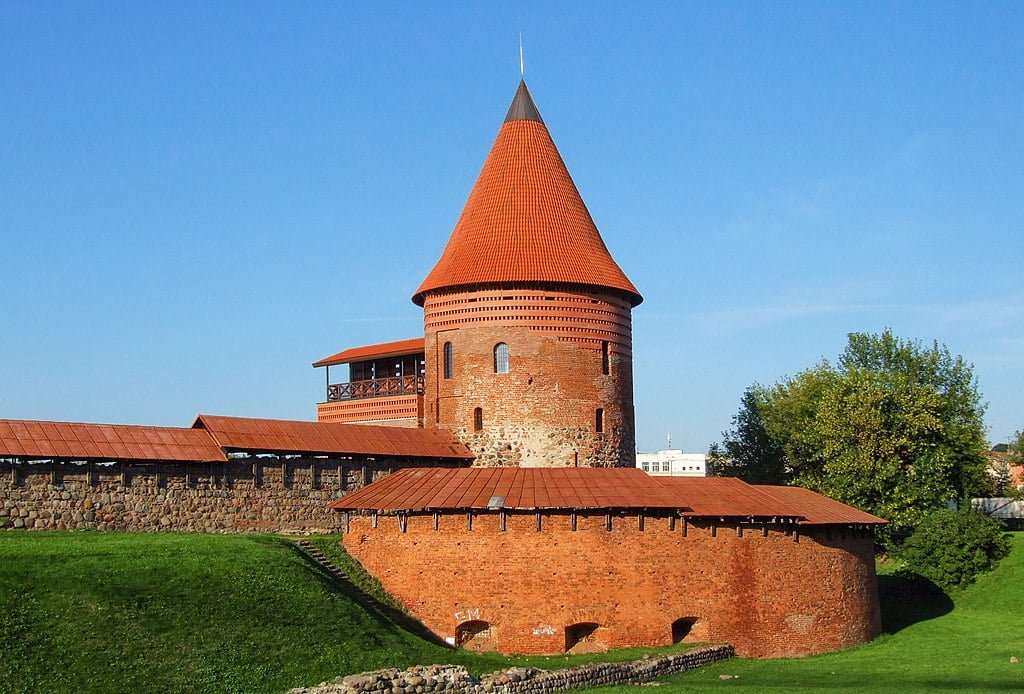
(605, 360)
(599, 420)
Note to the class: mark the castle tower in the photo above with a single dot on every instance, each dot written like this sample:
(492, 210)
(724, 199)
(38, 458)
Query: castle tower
(527, 318)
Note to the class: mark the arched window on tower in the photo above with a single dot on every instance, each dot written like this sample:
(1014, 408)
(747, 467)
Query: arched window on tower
(501, 358)
(447, 359)
(605, 358)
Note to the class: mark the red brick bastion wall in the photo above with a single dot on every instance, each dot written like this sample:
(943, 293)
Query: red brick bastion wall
(541, 587)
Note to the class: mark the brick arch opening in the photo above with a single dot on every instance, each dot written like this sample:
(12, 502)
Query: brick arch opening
(584, 637)
(476, 635)
(682, 629)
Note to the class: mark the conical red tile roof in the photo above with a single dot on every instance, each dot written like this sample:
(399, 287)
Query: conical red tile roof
(524, 220)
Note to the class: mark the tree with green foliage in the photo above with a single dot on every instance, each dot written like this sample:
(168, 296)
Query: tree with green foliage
(951, 548)
(747, 451)
(1015, 449)
(894, 428)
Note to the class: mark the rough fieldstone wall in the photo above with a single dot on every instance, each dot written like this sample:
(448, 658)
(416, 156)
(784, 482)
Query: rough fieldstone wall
(543, 412)
(529, 585)
(245, 495)
(517, 680)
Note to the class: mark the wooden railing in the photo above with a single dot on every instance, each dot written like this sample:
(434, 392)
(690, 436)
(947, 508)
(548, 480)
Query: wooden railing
(376, 388)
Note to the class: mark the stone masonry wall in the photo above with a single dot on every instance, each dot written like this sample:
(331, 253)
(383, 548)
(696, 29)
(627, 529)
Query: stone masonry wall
(256, 495)
(455, 679)
(767, 592)
(543, 413)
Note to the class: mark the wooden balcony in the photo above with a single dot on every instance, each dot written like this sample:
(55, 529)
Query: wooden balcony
(375, 388)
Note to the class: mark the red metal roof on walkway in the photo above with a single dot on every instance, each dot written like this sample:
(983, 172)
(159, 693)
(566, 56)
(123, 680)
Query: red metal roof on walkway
(76, 441)
(327, 438)
(381, 351)
(420, 489)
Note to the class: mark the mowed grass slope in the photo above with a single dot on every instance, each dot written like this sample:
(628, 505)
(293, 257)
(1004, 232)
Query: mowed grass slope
(133, 612)
(931, 643)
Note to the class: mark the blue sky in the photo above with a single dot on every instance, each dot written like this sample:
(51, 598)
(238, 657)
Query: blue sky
(197, 200)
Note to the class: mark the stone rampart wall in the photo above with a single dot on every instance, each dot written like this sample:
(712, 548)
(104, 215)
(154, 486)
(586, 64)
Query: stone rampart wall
(244, 495)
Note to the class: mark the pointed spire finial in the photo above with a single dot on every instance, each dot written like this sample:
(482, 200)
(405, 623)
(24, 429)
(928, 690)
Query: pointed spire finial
(522, 68)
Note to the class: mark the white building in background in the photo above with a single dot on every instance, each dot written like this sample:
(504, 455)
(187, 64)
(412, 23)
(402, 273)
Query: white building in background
(674, 462)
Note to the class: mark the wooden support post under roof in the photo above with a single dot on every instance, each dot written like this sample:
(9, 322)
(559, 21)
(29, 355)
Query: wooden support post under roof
(640, 522)
(53, 473)
(671, 523)
(124, 473)
(437, 520)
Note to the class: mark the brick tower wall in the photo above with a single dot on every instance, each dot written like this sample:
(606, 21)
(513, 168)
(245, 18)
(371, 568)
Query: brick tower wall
(769, 594)
(543, 413)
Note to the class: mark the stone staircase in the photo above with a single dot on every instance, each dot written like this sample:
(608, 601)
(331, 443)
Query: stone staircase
(368, 601)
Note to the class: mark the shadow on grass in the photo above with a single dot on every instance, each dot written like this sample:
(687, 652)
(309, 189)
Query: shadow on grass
(385, 615)
(908, 599)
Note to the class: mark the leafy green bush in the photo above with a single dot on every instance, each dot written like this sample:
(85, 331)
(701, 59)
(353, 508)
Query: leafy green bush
(951, 548)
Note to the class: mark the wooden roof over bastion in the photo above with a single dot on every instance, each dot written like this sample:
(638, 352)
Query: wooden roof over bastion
(538, 489)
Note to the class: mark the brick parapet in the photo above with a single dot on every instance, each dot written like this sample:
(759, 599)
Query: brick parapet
(768, 590)
(395, 411)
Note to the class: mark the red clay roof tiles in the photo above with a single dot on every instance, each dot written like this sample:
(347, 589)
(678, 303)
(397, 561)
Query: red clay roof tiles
(385, 349)
(326, 438)
(525, 221)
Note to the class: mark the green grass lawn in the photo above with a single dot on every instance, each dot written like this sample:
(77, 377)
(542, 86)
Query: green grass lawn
(133, 612)
(125, 612)
(932, 642)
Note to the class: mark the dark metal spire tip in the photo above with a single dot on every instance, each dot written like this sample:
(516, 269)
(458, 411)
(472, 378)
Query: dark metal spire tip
(522, 107)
